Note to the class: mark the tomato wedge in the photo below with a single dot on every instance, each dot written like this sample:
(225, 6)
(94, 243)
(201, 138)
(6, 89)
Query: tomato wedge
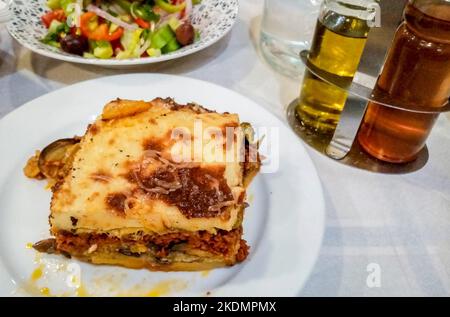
(58, 15)
(142, 23)
(91, 28)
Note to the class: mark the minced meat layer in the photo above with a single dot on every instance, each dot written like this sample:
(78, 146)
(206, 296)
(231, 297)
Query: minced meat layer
(221, 243)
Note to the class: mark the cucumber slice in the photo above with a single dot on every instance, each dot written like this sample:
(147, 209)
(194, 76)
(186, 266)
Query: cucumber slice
(172, 46)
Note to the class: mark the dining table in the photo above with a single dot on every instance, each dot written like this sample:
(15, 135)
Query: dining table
(384, 235)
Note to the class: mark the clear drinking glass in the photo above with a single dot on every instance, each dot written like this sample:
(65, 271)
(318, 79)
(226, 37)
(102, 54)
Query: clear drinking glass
(287, 28)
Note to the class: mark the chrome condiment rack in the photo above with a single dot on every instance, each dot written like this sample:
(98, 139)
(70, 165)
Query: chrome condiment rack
(362, 89)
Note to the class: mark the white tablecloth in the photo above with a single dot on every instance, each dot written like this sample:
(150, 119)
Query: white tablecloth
(401, 224)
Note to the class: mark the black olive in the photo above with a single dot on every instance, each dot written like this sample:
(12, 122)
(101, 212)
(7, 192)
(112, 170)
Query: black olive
(74, 44)
(185, 34)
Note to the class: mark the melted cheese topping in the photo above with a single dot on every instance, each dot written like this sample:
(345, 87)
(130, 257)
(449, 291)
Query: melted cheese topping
(105, 190)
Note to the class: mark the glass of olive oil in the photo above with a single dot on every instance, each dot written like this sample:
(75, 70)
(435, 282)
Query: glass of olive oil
(338, 43)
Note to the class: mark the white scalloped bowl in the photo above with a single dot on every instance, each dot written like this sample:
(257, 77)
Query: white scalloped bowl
(212, 18)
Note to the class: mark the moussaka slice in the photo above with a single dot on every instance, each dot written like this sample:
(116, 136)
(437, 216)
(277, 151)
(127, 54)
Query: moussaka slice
(153, 185)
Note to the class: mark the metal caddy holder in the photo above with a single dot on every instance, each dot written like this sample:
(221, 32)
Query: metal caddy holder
(362, 89)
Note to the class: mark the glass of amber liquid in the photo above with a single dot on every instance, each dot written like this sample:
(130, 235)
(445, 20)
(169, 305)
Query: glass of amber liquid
(416, 72)
(338, 43)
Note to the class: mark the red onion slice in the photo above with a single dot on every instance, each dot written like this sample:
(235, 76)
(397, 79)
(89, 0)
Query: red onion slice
(105, 15)
(188, 10)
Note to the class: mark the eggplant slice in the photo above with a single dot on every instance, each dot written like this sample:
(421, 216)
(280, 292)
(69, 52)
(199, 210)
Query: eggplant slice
(55, 160)
(46, 246)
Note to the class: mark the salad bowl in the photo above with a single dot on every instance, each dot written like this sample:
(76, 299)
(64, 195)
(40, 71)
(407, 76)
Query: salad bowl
(211, 20)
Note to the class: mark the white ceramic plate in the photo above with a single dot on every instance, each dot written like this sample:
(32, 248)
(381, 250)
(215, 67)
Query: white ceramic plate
(283, 225)
(212, 18)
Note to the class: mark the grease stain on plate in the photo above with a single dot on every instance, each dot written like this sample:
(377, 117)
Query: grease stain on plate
(45, 291)
(37, 273)
(165, 288)
(53, 276)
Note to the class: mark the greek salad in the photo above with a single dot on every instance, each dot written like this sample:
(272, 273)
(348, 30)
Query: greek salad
(119, 29)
